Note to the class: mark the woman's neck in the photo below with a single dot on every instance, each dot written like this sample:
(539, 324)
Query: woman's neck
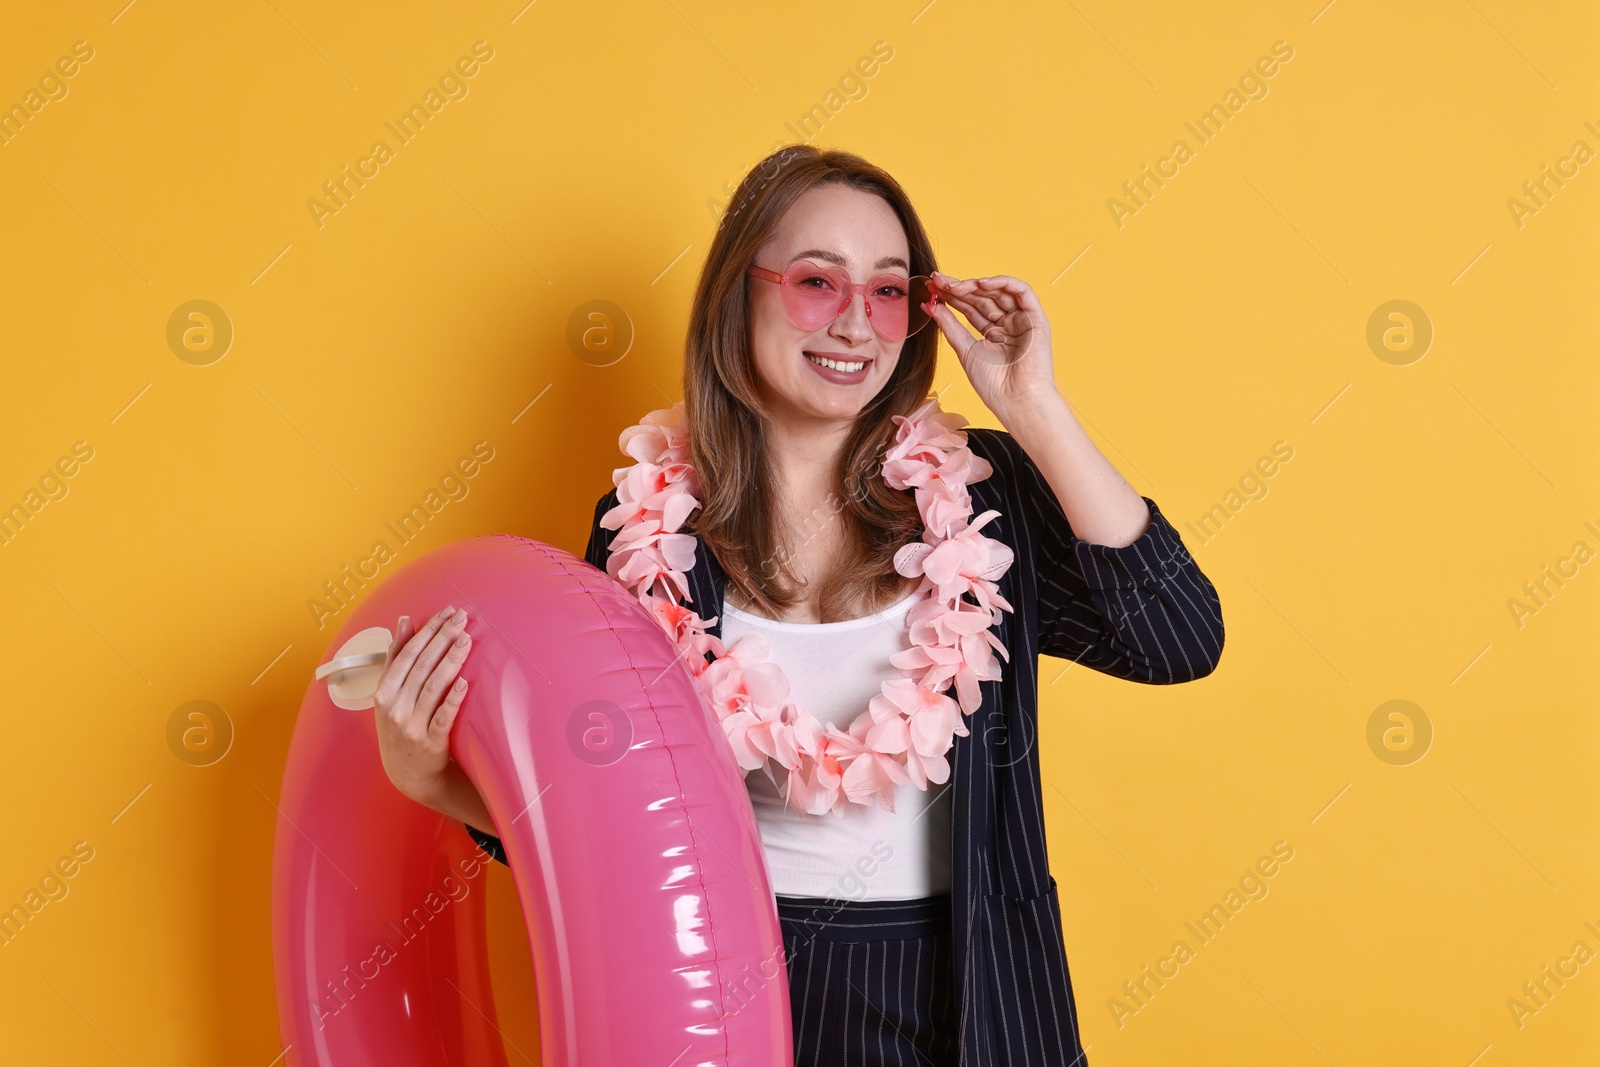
(804, 457)
(804, 454)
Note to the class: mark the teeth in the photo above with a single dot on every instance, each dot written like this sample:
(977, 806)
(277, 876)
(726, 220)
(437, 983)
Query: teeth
(835, 364)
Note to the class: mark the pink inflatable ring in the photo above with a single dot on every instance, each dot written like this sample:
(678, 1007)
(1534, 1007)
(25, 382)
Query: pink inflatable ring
(653, 928)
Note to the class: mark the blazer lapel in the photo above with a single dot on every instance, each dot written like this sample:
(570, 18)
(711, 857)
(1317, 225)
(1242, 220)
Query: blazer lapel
(706, 583)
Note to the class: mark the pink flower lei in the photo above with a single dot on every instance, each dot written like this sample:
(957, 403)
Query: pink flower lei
(906, 729)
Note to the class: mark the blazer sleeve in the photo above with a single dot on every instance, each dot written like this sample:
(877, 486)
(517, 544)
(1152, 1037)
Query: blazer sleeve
(599, 547)
(1144, 611)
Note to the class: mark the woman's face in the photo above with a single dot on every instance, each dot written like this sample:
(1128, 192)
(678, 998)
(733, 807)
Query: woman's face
(829, 224)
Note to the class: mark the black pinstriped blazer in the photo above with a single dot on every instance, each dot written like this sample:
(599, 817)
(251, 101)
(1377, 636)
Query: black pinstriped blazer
(1144, 612)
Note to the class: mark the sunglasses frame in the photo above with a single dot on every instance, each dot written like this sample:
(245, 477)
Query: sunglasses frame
(850, 288)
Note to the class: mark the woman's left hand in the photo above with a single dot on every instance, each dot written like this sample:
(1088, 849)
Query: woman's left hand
(1010, 364)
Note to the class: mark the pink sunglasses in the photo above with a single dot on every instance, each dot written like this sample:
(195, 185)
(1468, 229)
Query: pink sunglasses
(815, 295)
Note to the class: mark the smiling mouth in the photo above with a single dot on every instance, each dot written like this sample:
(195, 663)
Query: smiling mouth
(845, 366)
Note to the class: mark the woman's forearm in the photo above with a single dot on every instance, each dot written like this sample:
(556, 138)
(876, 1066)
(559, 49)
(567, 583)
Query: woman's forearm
(1100, 505)
(459, 799)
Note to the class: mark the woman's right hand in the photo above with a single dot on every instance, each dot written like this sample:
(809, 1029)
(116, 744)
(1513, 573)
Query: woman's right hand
(416, 703)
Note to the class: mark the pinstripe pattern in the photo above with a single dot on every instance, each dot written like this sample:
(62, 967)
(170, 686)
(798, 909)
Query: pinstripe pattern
(1143, 612)
(870, 981)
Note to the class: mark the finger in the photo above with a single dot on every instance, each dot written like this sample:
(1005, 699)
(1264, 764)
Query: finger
(949, 284)
(1018, 289)
(430, 655)
(402, 631)
(968, 291)
(433, 651)
(963, 303)
(445, 717)
(987, 306)
(958, 335)
(442, 675)
(1004, 299)
(394, 674)
(988, 298)
(1016, 296)
(419, 640)
(953, 331)
(402, 651)
(980, 319)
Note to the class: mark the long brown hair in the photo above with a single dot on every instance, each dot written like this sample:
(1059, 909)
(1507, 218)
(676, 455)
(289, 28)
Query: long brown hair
(726, 414)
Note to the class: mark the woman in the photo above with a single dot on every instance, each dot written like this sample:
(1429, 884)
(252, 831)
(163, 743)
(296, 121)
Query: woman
(921, 924)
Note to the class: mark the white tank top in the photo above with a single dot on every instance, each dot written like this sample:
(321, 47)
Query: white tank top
(834, 669)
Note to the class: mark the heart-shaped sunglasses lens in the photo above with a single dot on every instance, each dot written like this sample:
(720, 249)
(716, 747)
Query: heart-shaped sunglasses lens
(814, 295)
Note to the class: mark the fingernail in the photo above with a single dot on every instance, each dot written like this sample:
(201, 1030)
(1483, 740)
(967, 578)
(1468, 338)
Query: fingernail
(402, 623)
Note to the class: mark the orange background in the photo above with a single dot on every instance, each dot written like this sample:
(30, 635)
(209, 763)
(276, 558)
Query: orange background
(587, 160)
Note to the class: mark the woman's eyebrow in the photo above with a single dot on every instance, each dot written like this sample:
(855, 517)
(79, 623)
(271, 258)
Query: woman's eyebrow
(834, 257)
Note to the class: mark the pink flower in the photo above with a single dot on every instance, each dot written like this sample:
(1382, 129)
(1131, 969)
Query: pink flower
(747, 695)
(933, 716)
(662, 430)
(908, 727)
(958, 563)
(871, 747)
(649, 556)
(951, 644)
(931, 719)
(813, 786)
(944, 506)
(929, 443)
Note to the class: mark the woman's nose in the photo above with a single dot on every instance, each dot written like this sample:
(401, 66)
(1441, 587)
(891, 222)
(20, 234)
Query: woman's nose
(854, 322)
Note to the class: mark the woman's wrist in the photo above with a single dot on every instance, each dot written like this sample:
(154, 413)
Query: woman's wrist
(455, 796)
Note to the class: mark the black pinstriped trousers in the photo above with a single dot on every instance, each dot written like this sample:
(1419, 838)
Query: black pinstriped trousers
(870, 982)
